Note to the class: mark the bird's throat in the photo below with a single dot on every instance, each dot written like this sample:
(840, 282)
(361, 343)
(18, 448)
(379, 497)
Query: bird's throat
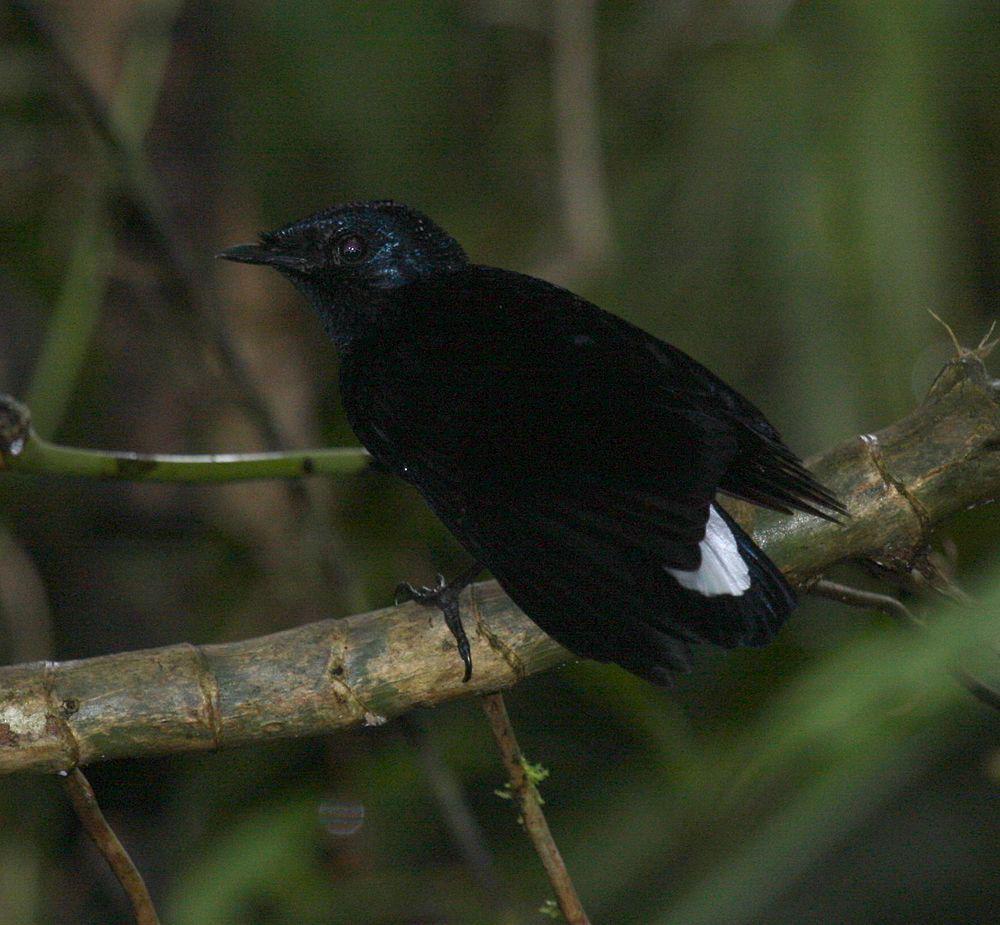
(347, 313)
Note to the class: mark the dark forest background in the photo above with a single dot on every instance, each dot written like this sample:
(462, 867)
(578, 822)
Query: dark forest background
(784, 190)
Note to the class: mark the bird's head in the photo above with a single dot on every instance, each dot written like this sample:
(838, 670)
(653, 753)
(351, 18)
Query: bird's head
(343, 256)
(379, 245)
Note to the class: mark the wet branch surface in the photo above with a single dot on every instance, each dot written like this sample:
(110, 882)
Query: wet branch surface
(899, 483)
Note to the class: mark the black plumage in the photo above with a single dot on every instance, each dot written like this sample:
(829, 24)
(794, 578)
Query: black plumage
(573, 455)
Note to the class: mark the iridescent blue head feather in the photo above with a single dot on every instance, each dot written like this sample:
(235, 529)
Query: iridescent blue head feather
(379, 244)
(358, 249)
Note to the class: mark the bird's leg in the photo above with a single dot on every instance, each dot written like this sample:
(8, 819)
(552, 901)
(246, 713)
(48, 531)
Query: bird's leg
(445, 595)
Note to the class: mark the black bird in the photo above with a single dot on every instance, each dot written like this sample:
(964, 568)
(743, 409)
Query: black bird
(575, 456)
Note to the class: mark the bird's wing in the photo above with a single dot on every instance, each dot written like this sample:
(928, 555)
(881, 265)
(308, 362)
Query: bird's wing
(763, 470)
(546, 408)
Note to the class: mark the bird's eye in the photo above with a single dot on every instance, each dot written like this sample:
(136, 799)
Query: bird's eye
(351, 248)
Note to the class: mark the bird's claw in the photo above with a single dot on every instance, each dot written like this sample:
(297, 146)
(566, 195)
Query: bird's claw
(422, 594)
(445, 597)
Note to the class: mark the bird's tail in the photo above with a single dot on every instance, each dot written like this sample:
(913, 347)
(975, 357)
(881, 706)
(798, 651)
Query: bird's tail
(750, 618)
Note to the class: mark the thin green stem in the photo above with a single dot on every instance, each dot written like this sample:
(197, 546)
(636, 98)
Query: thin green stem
(40, 457)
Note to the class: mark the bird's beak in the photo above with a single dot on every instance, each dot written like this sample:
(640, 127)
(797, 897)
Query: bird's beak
(262, 254)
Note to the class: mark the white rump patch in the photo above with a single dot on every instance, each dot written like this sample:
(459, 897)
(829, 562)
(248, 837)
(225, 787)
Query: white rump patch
(722, 569)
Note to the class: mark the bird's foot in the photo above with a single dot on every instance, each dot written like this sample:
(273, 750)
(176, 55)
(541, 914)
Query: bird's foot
(445, 596)
(422, 594)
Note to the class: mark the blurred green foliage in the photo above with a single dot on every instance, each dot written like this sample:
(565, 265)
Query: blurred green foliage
(792, 186)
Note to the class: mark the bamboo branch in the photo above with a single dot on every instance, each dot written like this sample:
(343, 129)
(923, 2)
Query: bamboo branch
(899, 484)
(81, 795)
(525, 792)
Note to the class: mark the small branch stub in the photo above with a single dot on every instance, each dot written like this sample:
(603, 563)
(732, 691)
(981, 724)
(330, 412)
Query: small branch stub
(530, 804)
(81, 795)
